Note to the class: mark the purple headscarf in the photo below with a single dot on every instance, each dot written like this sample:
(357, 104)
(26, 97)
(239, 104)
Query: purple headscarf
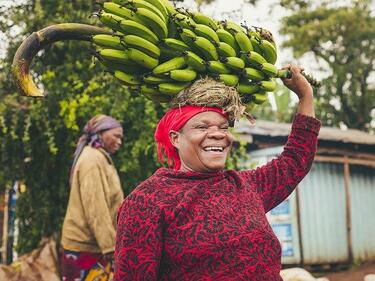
(95, 125)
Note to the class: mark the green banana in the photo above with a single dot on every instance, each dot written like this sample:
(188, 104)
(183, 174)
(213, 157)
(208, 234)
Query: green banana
(175, 44)
(206, 32)
(269, 51)
(172, 89)
(188, 36)
(269, 69)
(161, 7)
(206, 20)
(175, 63)
(116, 56)
(121, 11)
(230, 80)
(142, 59)
(148, 89)
(170, 9)
(244, 87)
(158, 97)
(153, 94)
(259, 98)
(157, 25)
(243, 41)
(217, 67)
(234, 63)
(167, 53)
(151, 79)
(126, 78)
(206, 47)
(183, 21)
(253, 58)
(111, 66)
(268, 85)
(256, 45)
(111, 21)
(108, 41)
(231, 26)
(195, 61)
(225, 50)
(253, 74)
(136, 4)
(135, 28)
(143, 45)
(172, 28)
(183, 75)
(227, 37)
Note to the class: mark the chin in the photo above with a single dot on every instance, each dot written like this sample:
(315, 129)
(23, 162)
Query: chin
(215, 168)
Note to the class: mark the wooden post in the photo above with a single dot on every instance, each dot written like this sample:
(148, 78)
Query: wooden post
(4, 248)
(348, 208)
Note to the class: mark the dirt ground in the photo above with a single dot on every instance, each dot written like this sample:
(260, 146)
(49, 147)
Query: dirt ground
(356, 273)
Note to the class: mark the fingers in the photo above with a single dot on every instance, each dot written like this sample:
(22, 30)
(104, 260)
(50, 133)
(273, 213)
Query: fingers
(294, 69)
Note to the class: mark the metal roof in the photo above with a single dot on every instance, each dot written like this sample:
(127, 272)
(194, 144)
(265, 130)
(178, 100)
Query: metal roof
(274, 129)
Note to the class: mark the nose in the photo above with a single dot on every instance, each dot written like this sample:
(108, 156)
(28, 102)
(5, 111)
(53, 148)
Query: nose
(216, 133)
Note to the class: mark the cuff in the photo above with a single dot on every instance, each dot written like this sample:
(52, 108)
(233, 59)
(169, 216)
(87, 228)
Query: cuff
(108, 250)
(306, 123)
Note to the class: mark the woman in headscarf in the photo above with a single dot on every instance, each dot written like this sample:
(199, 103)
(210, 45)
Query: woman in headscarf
(88, 234)
(197, 221)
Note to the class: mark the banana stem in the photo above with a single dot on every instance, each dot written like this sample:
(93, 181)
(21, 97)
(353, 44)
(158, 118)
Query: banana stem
(39, 40)
(285, 73)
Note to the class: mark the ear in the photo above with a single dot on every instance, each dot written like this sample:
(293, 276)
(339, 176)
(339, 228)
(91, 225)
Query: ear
(174, 137)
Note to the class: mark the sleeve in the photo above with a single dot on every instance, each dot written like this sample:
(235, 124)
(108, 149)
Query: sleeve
(277, 179)
(96, 209)
(139, 239)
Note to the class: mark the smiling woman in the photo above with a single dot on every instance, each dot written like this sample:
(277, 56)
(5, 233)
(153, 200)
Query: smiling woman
(197, 221)
(203, 143)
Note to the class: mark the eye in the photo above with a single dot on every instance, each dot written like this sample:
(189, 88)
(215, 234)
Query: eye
(201, 127)
(224, 127)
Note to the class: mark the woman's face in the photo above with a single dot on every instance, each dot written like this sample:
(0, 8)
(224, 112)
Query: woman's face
(203, 143)
(112, 139)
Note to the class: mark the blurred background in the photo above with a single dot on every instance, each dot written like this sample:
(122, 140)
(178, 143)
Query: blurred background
(327, 225)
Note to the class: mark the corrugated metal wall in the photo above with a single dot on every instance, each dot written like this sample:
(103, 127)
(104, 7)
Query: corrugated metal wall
(362, 200)
(322, 215)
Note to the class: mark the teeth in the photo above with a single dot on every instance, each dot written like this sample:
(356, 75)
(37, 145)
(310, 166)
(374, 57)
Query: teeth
(214, 148)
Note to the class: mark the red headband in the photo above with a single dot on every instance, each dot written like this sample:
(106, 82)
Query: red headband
(175, 119)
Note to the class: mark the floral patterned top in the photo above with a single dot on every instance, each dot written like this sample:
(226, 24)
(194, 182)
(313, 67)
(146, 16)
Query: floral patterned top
(211, 226)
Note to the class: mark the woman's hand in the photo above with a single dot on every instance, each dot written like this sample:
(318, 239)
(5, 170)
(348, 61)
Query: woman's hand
(302, 88)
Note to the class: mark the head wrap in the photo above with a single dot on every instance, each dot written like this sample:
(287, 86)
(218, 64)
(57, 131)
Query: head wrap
(175, 119)
(95, 125)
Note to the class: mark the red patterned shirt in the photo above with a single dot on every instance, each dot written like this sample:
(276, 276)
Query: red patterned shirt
(211, 226)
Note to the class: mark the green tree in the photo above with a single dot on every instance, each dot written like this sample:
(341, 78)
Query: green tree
(343, 39)
(38, 137)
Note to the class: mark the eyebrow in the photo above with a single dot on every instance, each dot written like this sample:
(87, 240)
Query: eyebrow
(206, 121)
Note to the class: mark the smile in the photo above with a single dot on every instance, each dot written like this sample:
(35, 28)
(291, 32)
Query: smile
(214, 148)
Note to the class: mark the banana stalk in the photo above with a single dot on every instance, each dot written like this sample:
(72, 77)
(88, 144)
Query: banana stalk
(39, 40)
(285, 73)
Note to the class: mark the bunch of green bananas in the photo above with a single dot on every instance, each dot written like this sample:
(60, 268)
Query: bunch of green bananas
(160, 50)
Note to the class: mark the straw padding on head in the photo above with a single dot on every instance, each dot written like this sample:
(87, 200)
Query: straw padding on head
(212, 93)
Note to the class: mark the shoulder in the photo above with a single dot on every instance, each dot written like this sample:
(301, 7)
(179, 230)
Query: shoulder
(155, 191)
(148, 188)
(90, 158)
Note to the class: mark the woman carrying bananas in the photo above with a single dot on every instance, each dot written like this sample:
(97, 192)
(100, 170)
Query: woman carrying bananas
(88, 233)
(197, 221)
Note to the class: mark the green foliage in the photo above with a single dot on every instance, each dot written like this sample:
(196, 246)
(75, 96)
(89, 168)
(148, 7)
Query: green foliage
(343, 37)
(38, 137)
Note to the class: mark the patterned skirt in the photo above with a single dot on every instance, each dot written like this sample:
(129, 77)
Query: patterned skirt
(85, 266)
